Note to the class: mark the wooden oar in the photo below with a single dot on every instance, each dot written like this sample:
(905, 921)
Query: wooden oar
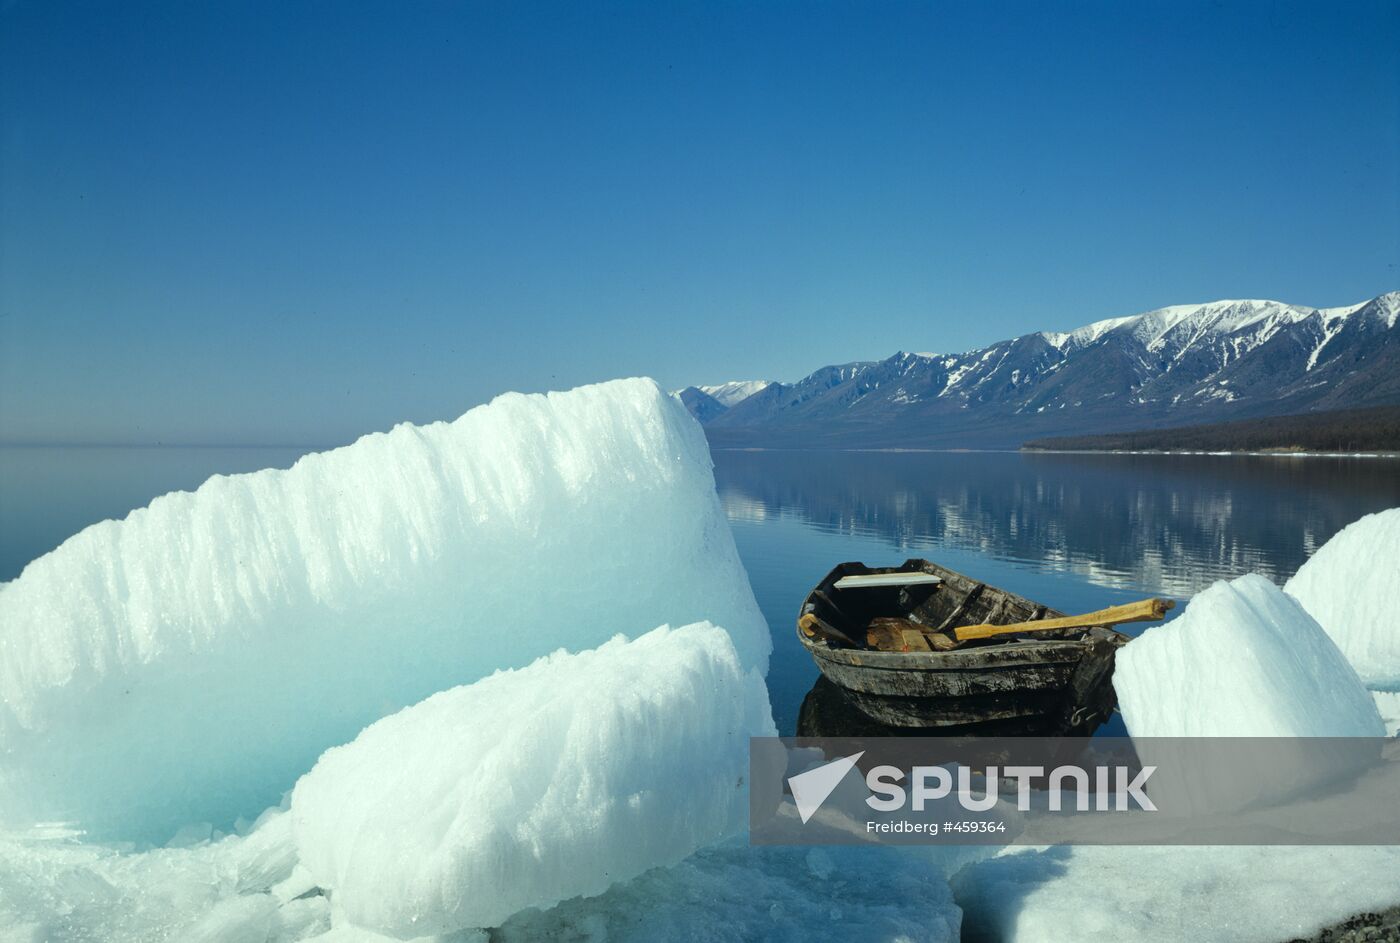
(1146, 610)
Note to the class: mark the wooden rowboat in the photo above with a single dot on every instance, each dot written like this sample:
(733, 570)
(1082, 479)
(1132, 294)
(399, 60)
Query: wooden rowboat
(921, 646)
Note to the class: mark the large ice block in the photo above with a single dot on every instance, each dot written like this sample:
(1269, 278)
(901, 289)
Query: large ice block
(189, 662)
(1243, 660)
(533, 786)
(1351, 586)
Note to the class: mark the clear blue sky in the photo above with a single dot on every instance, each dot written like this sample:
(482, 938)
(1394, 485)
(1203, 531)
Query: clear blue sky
(295, 222)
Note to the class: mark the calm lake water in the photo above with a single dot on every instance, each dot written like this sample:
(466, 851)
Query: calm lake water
(1076, 532)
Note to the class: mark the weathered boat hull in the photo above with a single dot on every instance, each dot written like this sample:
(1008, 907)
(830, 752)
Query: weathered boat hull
(1029, 685)
(830, 711)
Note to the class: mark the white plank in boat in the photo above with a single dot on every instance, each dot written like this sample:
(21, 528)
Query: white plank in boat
(887, 579)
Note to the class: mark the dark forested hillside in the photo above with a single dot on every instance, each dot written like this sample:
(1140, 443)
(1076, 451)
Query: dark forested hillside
(1344, 430)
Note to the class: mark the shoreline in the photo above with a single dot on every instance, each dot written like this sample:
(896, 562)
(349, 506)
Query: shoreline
(1381, 927)
(1259, 453)
(1266, 453)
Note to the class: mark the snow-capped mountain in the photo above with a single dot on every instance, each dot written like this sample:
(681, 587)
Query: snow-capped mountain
(727, 394)
(708, 402)
(1172, 366)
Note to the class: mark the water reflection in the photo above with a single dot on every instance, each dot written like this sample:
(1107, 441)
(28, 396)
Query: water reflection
(827, 712)
(1169, 525)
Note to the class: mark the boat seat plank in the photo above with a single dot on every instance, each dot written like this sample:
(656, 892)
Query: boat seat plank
(884, 635)
(914, 640)
(893, 634)
(875, 580)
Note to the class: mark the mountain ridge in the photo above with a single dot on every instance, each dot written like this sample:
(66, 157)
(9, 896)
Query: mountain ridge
(1179, 364)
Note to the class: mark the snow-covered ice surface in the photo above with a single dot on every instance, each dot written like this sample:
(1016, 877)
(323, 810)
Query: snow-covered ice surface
(535, 785)
(188, 663)
(227, 893)
(1245, 894)
(1388, 705)
(1243, 660)
(1350, 586)
(781, 894)
(56, 890)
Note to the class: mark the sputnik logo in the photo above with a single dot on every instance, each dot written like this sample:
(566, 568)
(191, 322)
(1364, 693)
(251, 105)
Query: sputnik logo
(811, 789)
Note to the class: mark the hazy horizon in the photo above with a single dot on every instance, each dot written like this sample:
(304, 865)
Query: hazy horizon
(310, 445)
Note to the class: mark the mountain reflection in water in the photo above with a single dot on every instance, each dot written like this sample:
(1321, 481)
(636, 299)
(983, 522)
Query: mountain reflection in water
(1165, 522)
(1074, 531)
